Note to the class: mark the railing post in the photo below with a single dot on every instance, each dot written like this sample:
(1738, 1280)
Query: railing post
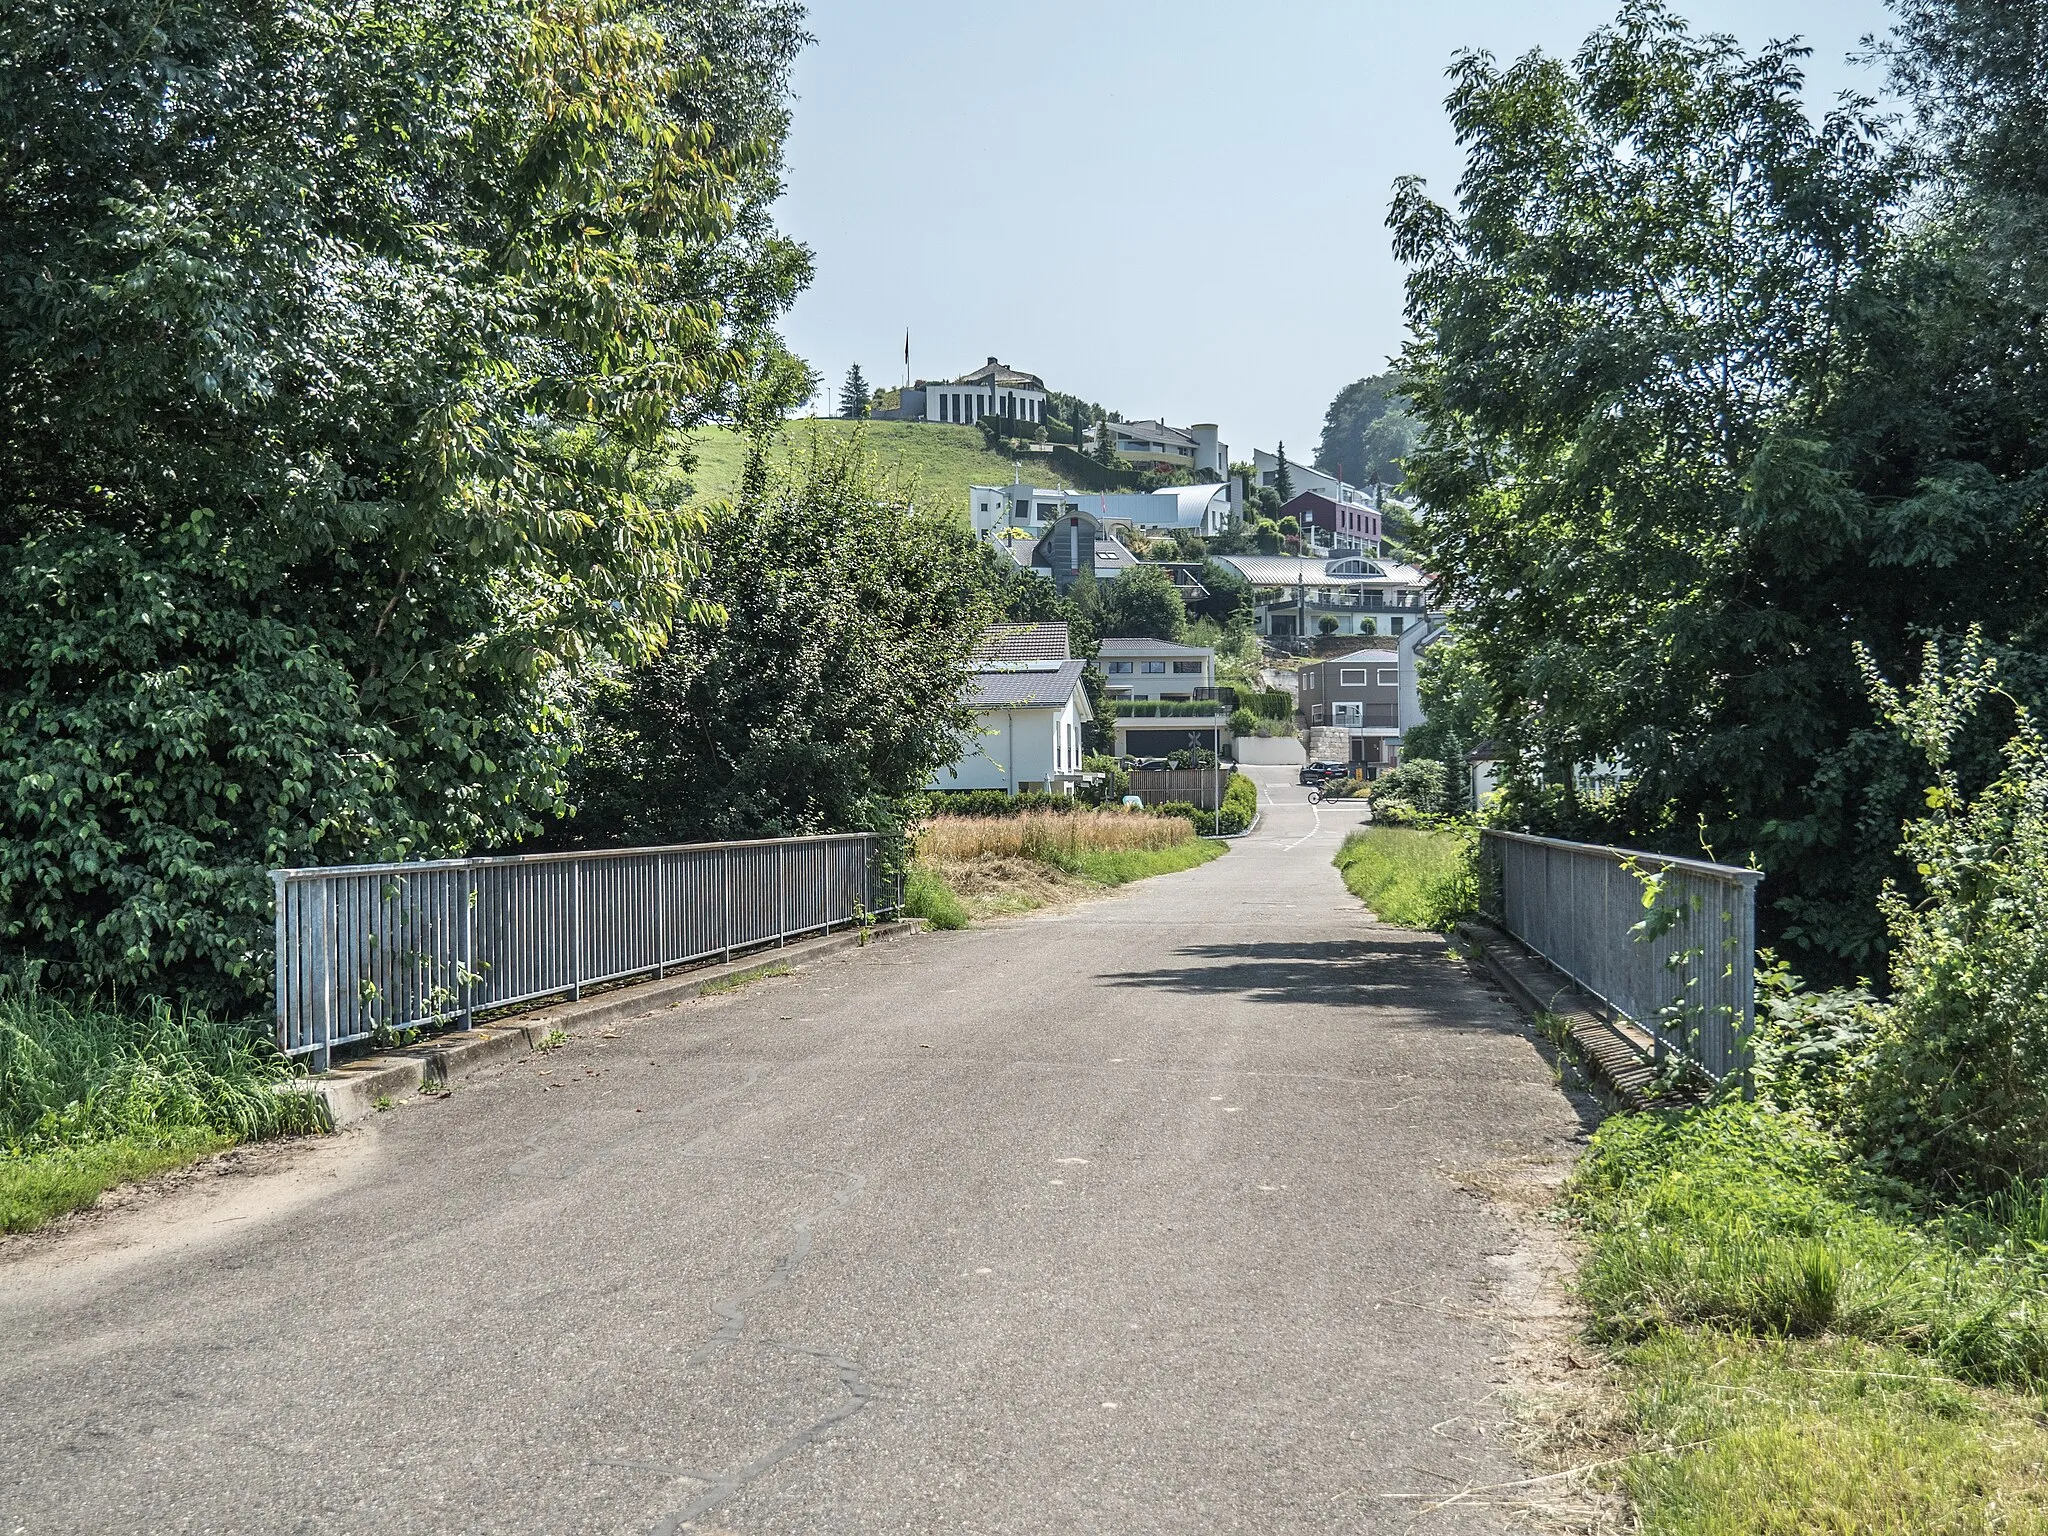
(468, 945)
(660, 921)
(278, 965)
(781, 894)
(323, 1000)
(831, 858)
(576, 928)
(725, 900)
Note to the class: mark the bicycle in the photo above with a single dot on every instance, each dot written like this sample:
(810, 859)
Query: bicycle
(1315, 796)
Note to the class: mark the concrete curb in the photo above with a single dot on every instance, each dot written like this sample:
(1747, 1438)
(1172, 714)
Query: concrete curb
(1616, 1053)
(355, 1089)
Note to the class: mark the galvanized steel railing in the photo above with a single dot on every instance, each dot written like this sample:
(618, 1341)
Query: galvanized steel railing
(1669, 944)
(371, 949)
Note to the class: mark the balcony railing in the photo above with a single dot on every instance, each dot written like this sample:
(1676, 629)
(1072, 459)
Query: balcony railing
(1166, 709)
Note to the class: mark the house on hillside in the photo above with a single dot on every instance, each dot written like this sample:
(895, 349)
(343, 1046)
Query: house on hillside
(1204, 510)
(1164, 696)
(1029, 709)
(1339, 527)
(1365, 596)
(994, 389)
(1061, 552)
(1359, 704)
(1194, 450)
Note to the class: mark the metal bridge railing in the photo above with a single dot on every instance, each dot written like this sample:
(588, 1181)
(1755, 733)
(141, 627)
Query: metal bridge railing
(371, 948)
(1668, 943)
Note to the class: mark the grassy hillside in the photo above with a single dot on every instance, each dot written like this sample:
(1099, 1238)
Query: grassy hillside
(940, 462)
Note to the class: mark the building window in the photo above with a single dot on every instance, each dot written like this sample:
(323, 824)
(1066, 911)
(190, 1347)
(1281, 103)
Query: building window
(1155, 666)
(1353, 677)
(1352, 715)
(1315, 714)
(1396, 623)
(1308, 682)
(1390, 677)
(1118, 668)
(1186, 668)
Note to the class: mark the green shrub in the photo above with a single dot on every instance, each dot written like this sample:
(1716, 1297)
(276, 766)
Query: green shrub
(1413, 879)
(1958, 1091)
(993, 802)
(1416, 790)
(926, 895)
(1240, 806)
(1243, 722)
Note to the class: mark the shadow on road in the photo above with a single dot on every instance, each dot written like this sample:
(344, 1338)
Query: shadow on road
(1407, 973)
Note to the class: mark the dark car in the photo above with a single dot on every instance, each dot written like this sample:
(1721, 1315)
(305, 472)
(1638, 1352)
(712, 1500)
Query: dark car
(1322, 773)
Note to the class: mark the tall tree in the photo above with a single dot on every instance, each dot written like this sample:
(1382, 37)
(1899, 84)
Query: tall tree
(1143, 603)
(1623, 340)
(336, 342)
(853, 394)
(1283, 482)
(826, 686)
(1367, 431)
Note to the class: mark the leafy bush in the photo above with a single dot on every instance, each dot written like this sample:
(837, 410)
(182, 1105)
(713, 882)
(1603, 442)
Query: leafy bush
(980, 803)
(1243, 723)
(1958, 1092)
(1410, 878)
(1240, 806)
(1416, 789)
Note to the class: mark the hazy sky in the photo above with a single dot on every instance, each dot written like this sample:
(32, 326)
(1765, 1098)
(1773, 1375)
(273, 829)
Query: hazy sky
(1174, 207)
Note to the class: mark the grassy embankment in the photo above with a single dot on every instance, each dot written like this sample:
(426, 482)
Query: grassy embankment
(1800, 1350)
(972, 866)
(940, 460)
(1799, 1345)
(91, 1098)
(1411, 878)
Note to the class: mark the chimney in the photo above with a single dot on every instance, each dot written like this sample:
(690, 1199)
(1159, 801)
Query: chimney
(992, 363)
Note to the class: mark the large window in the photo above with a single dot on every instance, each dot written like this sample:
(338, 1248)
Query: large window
(1154, 666)
(1390, 677)
(1187, 668)
(1347, 714)
(1119, 667)
(1353, 677)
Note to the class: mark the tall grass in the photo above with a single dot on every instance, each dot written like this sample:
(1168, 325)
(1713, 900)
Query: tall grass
(90, 1096)
(1409, 878)
(1057, 839)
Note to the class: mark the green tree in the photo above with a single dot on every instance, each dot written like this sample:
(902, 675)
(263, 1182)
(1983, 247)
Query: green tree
(1648, 303)
(338, 344)
(1367, 431)
(1142, 602)
(1457, 711)
(830, 690)
(853, 395)
(1283, 482)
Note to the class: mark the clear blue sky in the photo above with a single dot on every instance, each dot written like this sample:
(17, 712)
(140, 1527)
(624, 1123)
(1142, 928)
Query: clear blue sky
(1175, 207)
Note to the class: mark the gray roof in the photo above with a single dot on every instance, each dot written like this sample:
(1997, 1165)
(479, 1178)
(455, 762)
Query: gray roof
(1154, 432)
(1142, 647)
(1024, 642)
(1028, 690)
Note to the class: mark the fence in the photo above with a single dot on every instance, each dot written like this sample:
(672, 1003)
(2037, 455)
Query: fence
(1197, 786)
(374, 948)
(1669, 944)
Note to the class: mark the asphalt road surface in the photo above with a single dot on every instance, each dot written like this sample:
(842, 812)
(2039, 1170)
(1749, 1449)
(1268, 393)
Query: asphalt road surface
(1137, 1217)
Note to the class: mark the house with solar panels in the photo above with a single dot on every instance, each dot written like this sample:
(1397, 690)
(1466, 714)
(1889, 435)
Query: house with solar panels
(1029, 710)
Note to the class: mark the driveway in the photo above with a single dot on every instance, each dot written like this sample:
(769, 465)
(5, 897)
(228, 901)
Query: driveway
(1137, 1217)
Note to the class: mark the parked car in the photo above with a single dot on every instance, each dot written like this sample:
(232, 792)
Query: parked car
(1322, 773)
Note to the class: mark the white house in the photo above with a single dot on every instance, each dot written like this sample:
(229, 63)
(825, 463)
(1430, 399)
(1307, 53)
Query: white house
(1206, 510)
(1365, 596)
(1029, 708)
(1266, 477)
(1165, 696)
(1199, 449)
(994, 389)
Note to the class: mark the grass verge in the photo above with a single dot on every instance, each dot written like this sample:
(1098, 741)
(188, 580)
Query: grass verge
(1805, 1351)
(91, 1098)
(1410, 878)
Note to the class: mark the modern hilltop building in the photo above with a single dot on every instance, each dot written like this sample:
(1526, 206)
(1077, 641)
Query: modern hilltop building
(1199, 449)
(1199, 509)
(994, 389)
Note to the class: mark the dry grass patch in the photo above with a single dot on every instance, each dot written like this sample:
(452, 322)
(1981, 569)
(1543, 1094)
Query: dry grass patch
(1047, 836)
